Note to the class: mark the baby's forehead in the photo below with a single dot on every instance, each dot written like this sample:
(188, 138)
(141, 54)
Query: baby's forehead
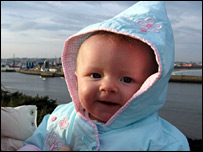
(116, 43)
(118, 40)
(115, 38)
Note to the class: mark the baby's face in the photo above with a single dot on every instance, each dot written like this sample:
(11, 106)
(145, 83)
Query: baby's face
(109, 74)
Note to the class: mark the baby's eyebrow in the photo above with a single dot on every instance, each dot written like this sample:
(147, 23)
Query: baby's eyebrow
(125, 70)
(93, 68)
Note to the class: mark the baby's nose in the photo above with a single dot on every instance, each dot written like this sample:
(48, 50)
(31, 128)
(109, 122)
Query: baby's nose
(108, 86)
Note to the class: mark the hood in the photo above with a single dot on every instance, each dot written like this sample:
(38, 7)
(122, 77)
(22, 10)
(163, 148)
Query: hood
(148, 22)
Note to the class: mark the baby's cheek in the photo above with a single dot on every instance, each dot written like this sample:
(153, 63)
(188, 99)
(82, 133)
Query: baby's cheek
(86, 93)
(128, 94)
(87, 88)
(83, 91)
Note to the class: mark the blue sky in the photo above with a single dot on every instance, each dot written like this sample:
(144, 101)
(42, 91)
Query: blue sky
(40, 28)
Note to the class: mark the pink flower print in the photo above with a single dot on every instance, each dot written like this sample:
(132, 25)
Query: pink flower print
(149, 25)
(63, 123)
(53, 118)
(52, 143)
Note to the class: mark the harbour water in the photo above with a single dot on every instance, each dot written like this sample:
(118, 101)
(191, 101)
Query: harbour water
(188, 72)
(183, 106)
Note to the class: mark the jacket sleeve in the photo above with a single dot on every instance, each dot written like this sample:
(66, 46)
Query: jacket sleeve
(178, 146)
(172, 140)
(36, 141)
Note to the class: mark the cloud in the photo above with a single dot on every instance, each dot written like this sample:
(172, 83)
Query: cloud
(39, 22)
(186, 21)
(57, 15)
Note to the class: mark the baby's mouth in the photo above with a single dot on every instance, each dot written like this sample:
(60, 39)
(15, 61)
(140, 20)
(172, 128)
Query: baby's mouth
(108, 103)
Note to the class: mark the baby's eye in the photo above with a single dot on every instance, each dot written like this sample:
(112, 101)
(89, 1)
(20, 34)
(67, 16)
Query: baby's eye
(95, 75)
(126, 80)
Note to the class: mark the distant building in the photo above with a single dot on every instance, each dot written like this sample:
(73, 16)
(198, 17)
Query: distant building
(53, 70)
(40, 64)
(187, 65)
(45, 66)
(29, 65)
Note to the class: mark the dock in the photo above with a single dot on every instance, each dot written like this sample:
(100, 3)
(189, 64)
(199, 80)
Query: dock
(173, 78)
(42, 73)
(8, 70)
(184, 78)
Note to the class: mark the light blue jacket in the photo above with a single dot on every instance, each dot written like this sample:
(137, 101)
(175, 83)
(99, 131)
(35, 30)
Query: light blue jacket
(136, 126)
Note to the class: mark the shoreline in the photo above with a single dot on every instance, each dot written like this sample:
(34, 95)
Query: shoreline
(173, 78)
(184, 78)
(41, 73)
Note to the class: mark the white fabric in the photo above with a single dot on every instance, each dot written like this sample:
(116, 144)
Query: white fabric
(17, 124)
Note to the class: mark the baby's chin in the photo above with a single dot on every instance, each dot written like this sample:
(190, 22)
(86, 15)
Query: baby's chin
(100, 119)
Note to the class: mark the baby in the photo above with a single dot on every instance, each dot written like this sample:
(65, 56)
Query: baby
(117, 73)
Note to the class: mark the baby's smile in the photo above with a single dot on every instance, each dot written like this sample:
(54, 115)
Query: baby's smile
(110, 103)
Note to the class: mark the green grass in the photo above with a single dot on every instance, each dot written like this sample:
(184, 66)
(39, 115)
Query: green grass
(44, 104)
